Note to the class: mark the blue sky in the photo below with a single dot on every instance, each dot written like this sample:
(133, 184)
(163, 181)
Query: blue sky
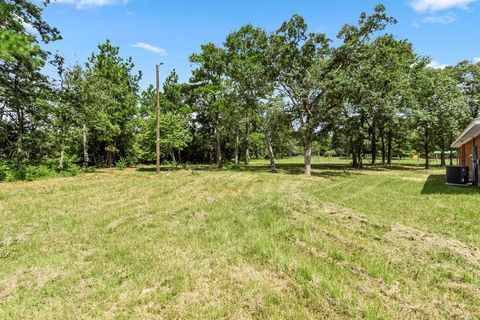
(153, 31)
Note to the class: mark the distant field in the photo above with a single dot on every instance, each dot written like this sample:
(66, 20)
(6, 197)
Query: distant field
(240, 244)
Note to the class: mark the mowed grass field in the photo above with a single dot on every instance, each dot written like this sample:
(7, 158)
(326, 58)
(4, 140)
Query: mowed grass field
(241, 244)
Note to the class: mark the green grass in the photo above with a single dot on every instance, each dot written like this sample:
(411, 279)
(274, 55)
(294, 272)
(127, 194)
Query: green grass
(239, 244)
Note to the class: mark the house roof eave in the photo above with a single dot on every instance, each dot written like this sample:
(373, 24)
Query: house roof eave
(468, 134)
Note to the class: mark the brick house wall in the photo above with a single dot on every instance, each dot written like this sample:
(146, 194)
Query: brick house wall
(465, 153)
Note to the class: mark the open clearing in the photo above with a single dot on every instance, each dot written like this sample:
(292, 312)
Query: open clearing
(240, 244)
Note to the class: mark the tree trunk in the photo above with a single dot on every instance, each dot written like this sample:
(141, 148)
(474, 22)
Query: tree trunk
(308, 156)
(172, 154)
(85, 147)
(354, 154)
(109, 158)
(374, 143)
(247, 152)
(451, 157)
(442, 156)
(271, 155)
(237, 143)
(179, 157)
(62, 155)
(62, 147)
(389, 147)
(211, 155)
(382, 139)
(20, 137)
(427, 149)
(218, 146)
(360, 143)
(2, 111)
(360, 152)
(20, 126)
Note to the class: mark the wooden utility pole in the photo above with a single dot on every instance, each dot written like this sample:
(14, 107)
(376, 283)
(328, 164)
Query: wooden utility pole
(158, 118)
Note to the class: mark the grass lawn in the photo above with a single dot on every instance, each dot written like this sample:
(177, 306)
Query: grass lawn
(240, 244)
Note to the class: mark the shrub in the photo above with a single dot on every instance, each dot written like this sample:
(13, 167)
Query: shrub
(172, 165)
(70, 166)
(73, 169)
(230, 165)
(8, 172)
(38, 172)
(132, 161)
(4, 171)
(121, 164)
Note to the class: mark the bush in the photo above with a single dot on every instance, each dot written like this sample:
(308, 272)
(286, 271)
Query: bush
(72, 169)
(9, 172)
(132, 161)
(172, 165)
(38, 172)
(121, 164)
(5, 171)
(230, 165)
(70, 166)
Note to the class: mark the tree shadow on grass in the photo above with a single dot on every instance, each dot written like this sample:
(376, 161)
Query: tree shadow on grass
(435, 184)
(394, 167)
(199, 167)
(327, 171)
(320, 170)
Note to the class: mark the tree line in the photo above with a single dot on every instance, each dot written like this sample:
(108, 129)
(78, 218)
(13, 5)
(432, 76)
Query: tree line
(367, 95)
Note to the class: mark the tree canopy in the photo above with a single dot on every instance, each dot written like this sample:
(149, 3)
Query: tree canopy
(289, 91)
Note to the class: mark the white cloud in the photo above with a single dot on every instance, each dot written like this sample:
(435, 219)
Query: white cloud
(436, 65)
(445, 19)
(150, 48)
(84, 4)
(436, 5)
(476, 60)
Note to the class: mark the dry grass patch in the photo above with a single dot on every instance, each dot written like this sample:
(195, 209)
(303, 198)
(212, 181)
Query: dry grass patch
(420, 241)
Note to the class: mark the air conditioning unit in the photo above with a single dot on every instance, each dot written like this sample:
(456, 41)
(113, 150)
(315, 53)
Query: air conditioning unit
(457, 175)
